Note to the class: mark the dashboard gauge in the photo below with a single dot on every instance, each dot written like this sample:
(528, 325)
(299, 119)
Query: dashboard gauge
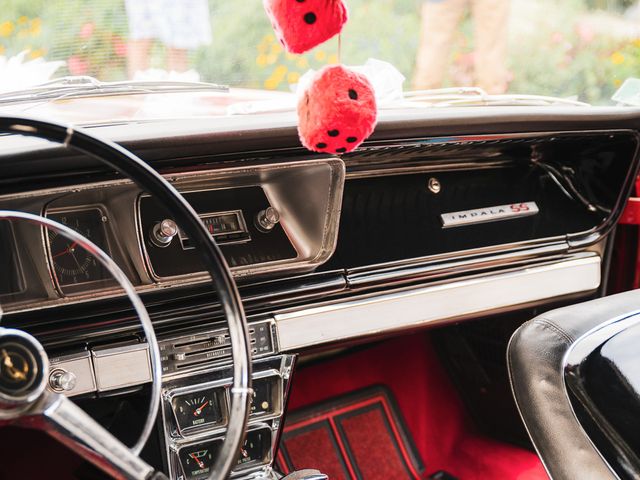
(256, 449)
(73, 265)
(265, 395)
(206, 408)
(197, 460)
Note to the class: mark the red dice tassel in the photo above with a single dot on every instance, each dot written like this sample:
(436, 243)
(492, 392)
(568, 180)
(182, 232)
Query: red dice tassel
(301, 25)
(337, 112)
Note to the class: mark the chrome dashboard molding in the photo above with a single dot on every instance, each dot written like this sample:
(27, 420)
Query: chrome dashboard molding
(313, 233)
(447, 265)
(417, 307)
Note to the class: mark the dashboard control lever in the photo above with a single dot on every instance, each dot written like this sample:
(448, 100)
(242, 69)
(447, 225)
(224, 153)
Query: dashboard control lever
(163, 233)
(61, 380)
(267, 219)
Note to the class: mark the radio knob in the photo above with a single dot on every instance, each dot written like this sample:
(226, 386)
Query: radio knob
(267, 219)
(163, 233)
(62, 381)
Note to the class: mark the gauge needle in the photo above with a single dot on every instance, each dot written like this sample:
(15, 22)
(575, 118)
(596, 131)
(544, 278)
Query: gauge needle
(198, 461)
(200, 408)
(73, 255)
(70, 249)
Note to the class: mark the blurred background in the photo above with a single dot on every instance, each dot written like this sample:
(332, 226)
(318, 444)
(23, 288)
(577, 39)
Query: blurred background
(571, 48)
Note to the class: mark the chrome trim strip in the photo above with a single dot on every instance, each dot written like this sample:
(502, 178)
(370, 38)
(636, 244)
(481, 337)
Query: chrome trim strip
(376, 314)
(119, 367)
(392, 274)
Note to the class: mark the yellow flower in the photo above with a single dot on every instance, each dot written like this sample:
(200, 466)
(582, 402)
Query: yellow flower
(36, 53)
(261, 60)
(36, 27)
(332, 59)
(320, 56)
(302, 63)
(293, 77)
(617, 58)
(636, 42)
(271, 83)
(617, 82)
(22, 20)
(272, 58)
(276, 48)
(6, 28)
(280, 72)
(268, 38)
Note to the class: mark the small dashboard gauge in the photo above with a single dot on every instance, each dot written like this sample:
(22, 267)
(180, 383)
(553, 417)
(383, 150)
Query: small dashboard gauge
(265, 395)
(206, 408)
(72, 265)
(197, 460)
(256, 449)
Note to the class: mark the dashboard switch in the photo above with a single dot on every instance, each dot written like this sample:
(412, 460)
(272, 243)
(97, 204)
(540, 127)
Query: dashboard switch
(267, 219)
(61, 380)
(163, 233)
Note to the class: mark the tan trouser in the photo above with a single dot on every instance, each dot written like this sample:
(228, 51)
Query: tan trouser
(440, 19)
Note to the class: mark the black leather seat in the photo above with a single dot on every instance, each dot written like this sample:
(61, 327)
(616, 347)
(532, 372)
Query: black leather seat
(535, 358)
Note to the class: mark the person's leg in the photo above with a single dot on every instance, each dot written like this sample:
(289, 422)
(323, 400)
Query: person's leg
(491, 22)
(440, 19)
(177, 59)
(141, 34)
(138, 56)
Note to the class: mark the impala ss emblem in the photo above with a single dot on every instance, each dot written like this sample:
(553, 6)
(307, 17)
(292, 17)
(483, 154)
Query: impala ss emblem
(489, 214)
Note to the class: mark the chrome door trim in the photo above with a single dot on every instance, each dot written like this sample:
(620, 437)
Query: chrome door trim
(417, 307)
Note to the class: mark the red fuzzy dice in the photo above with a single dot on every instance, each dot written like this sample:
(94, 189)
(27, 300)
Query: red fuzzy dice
(337, 112)
(303, 24)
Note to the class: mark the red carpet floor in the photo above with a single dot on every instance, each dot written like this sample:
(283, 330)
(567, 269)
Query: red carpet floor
(442, 432)
(359, 436)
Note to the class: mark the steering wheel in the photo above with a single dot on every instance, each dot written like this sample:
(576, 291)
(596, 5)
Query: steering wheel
(24, 399)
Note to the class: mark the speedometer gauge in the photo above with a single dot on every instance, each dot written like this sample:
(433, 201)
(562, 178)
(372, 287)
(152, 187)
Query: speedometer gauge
(72, 265)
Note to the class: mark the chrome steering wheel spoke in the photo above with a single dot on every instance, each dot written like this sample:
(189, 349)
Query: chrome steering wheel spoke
(59, 417)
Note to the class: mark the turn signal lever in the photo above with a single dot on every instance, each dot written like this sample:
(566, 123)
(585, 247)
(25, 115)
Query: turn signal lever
(306, 475)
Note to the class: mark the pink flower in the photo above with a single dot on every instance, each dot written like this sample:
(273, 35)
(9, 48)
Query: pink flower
(119, 46)
(87, 30)
(557, 37)
(585, 32)
(77, 66)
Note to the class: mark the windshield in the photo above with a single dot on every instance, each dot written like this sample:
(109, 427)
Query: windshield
(578, 49)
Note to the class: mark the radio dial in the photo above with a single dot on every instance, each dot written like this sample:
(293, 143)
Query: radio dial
(163, 233)
(267, 219)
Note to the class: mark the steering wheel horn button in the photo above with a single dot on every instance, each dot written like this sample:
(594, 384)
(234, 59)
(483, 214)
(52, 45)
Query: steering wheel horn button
(22, 366)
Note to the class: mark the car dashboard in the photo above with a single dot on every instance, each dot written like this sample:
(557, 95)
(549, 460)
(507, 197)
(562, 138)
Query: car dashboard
(439, 218)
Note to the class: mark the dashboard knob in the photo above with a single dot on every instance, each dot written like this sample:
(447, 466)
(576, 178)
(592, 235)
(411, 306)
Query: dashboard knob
(62, 381)
(267, 219)
(163, 233)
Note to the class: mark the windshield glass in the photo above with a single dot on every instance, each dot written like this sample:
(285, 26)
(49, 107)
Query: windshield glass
(579, 49)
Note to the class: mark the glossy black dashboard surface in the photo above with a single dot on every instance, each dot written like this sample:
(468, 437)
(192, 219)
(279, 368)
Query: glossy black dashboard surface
(574, 180)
